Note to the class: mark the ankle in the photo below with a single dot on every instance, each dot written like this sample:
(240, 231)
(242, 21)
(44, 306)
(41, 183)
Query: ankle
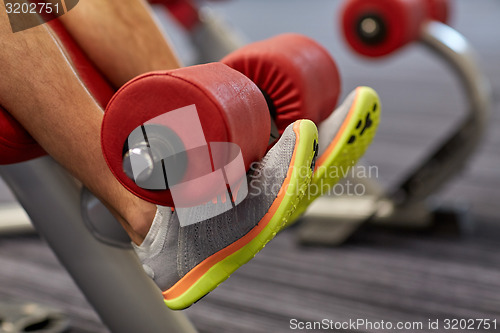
(139, 218)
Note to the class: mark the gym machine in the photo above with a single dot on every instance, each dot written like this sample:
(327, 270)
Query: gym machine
(57, 204)
(374, 29)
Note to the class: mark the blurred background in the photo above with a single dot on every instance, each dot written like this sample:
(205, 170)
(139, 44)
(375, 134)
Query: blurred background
(390, 274)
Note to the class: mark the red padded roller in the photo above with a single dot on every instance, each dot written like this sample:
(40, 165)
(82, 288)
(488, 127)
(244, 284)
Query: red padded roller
(16, 145)
(378, 27)
(230, 108)
(297, 74)
(184, 11)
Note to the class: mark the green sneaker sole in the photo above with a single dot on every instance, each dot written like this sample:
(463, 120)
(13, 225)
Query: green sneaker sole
(349, 144)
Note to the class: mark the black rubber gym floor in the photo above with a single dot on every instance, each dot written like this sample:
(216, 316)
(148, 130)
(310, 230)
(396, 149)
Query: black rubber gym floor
(379, 275)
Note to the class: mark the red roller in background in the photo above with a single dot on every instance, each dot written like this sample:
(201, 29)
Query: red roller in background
(376, 28)
(438, 10)
(184, 11)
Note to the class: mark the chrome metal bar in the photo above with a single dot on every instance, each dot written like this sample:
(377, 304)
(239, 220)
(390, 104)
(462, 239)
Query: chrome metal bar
(452, 155)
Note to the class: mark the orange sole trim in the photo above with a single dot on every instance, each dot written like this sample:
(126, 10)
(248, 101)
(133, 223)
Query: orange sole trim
(345, 124)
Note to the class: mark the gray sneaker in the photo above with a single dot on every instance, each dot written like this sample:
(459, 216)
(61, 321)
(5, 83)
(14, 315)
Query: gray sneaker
(187, 262)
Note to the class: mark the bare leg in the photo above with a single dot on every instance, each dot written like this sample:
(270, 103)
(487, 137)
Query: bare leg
(120, 37)
(41, 90)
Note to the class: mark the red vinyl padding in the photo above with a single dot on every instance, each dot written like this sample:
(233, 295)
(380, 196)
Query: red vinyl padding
(299, 76)
(230, 107)
(16, 145)
(403, 20)
(438, 10)
(184, 11)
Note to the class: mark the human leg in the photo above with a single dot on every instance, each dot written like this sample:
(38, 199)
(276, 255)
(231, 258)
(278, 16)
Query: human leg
(40, 89)
(120, 37)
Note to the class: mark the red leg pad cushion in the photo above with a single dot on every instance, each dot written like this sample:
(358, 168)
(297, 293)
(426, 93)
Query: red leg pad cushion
(16, 145)
(401, 19)
(438, 10)
(184, 11)
(230, 108)
(299, 76)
